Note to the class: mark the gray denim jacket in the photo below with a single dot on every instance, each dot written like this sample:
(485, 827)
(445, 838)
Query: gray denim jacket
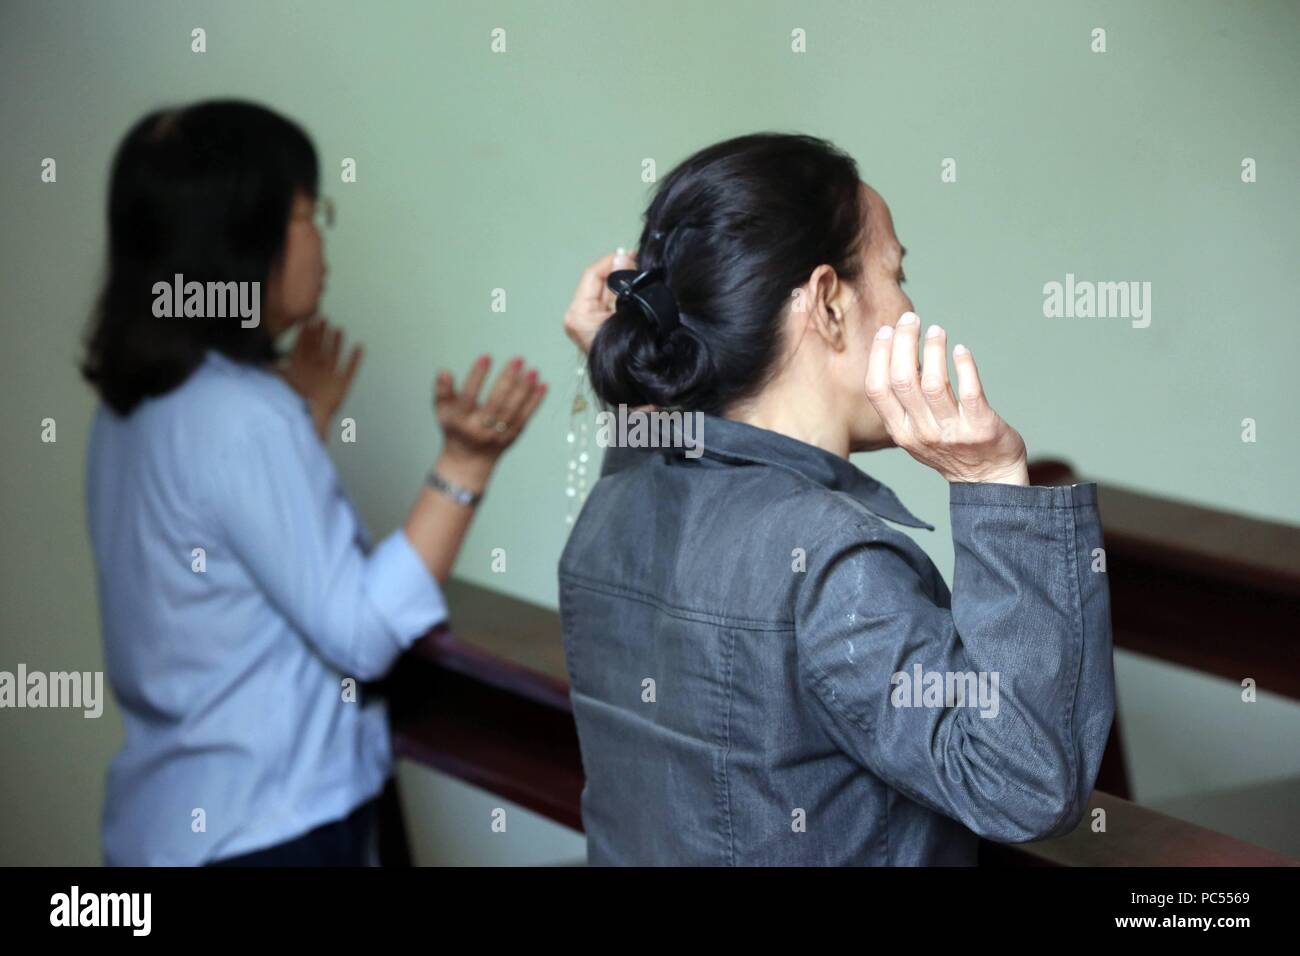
(764, 671)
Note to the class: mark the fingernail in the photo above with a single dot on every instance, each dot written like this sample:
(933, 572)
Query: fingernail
(483, 359)
(933, 332)
(959, 350)
(532, 375)
(908, 318)
(885, 332)
(516, 362)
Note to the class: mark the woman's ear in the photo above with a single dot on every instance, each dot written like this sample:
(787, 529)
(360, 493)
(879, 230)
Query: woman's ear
(825, 308)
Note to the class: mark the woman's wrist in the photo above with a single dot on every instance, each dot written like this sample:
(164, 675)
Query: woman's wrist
(468, 471)
(1014, 474)
(320, 418)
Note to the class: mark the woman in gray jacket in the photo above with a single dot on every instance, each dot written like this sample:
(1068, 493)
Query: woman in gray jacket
(764, 670)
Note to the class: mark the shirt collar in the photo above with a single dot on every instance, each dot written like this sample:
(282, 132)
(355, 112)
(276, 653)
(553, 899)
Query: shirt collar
(214, 359)
(727, 440)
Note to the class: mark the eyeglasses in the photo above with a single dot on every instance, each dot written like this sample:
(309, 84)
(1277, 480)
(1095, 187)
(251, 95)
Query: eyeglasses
(322, 213)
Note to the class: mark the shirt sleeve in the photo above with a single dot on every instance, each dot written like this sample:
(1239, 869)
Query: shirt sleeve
(282, 513)
(887, 654)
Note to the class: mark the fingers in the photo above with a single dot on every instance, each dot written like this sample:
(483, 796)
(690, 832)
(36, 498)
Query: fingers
(622, 259)
(965, 440)
(524, 386)
(903, 378)
(354, 362)
(593, 302)
(521, 403)
(910, 403)
(969, 388)
(308, 343)
(516, 392)
(510, 403)
(934, 376)
(468, 397)
(444, 388)
(320, 343)
(591, 286)
(501, 390)
(526, 411)
(879, 390)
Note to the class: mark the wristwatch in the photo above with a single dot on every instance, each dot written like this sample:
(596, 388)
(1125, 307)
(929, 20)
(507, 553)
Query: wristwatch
(462, 496)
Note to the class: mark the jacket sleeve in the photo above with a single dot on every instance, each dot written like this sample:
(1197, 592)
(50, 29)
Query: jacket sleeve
(277, 500)
(992, 704)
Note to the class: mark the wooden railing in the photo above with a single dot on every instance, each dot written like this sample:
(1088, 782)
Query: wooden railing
(1209, 590)
(486, 698)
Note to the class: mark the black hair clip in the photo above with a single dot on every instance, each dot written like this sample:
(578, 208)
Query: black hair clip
(648, 290)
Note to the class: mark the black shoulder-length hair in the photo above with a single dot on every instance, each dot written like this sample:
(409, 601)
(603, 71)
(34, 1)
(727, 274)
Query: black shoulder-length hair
(204, 191)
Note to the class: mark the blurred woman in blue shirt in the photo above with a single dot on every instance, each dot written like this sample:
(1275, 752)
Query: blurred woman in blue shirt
(240, 598)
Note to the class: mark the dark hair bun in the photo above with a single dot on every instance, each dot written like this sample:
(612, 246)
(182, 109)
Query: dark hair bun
(730, 231)
(633, 363)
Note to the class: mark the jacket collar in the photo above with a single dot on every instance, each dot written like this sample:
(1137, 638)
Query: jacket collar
(726, 440)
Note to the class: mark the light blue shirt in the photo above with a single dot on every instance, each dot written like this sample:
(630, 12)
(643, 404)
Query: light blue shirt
(229, 664)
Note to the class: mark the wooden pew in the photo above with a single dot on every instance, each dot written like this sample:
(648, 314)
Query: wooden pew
(485, 699)
(1210, 590)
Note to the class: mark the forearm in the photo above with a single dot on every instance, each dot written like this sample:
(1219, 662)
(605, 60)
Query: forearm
(437, 525)
(991, 704)
(1030, 602)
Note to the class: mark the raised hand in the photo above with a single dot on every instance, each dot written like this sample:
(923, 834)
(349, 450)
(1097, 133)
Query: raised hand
(477, 433)
(962, 438)
(313, 370)
(593, 303)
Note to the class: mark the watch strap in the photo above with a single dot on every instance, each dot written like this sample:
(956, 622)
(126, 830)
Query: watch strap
(462, 496)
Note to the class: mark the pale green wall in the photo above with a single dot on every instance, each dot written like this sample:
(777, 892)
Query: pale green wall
(479, 171)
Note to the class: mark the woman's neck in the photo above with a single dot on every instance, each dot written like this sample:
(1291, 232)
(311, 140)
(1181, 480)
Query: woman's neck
(799, 416)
